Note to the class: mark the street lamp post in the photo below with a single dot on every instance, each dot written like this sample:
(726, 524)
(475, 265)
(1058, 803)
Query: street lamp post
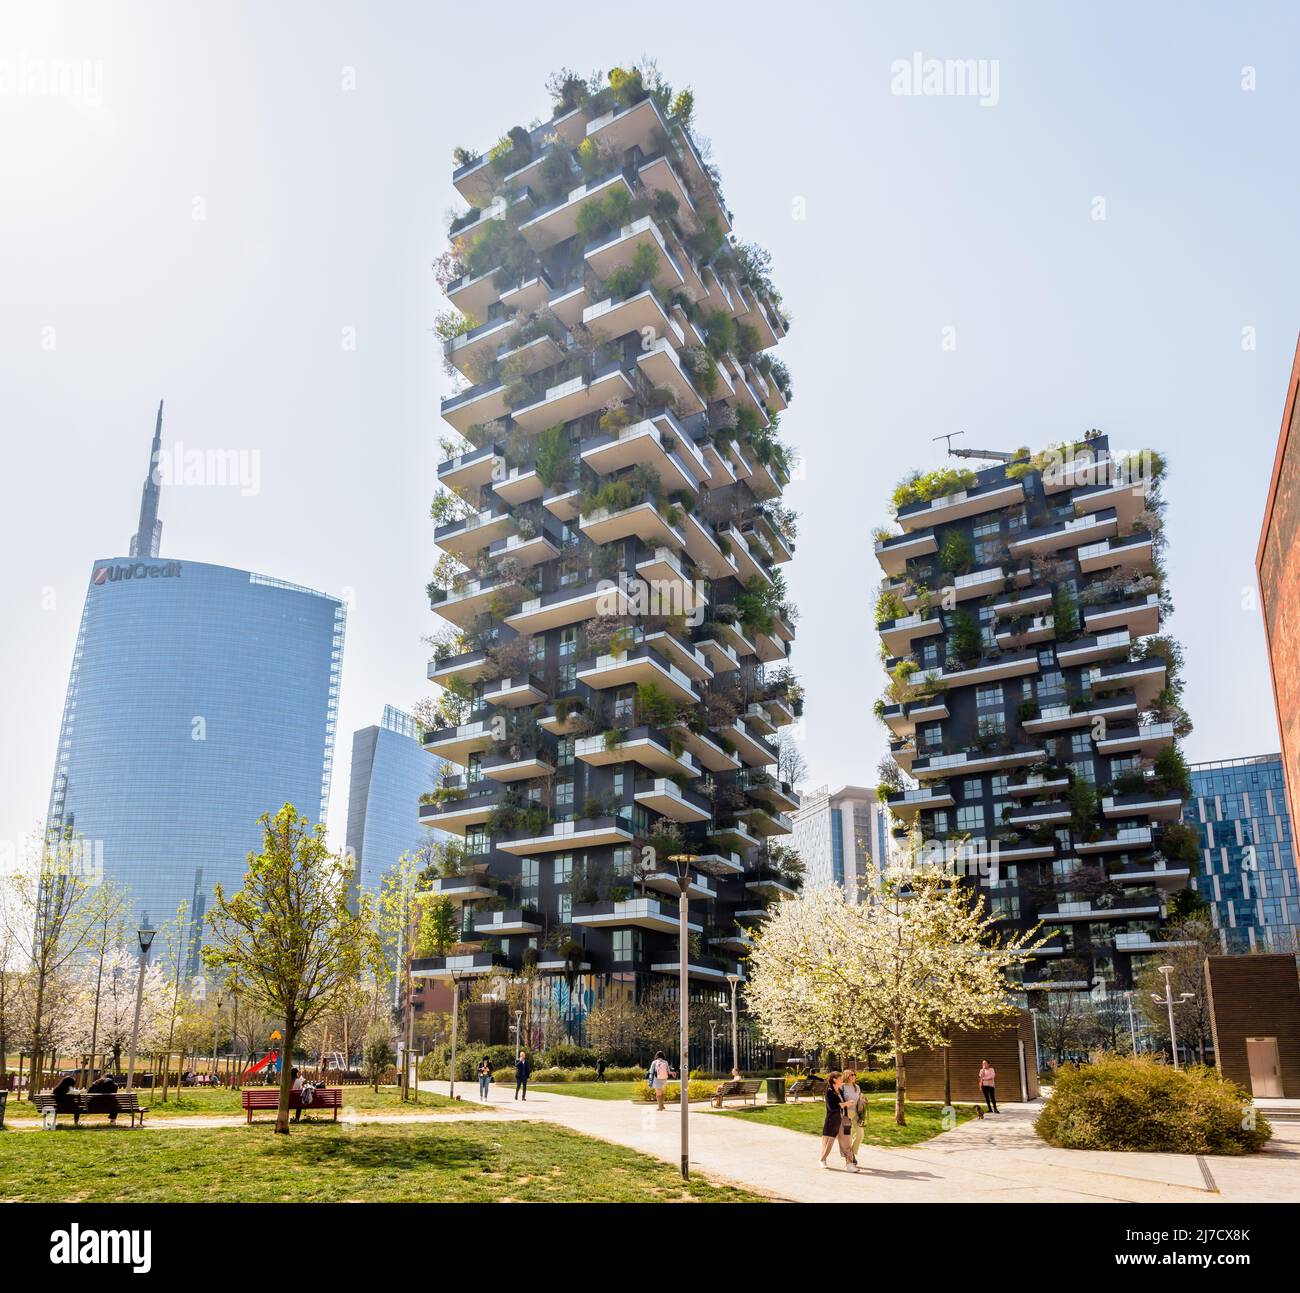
(713, 1045)
(682, 865)
(146, 938)
(1168, 1001)
(734, 980)
(1132, 1031)
(455, 1019)
(216, 1021)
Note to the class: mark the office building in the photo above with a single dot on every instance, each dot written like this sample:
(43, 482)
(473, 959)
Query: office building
(199, 698)
(841, 832)
(1247, 871)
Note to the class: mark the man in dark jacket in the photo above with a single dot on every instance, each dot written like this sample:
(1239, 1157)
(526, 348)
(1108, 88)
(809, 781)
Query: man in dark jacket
(522, 1070)
(104, 1085)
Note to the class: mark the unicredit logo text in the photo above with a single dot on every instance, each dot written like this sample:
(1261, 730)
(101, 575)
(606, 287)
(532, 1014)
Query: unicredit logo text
(136, 570)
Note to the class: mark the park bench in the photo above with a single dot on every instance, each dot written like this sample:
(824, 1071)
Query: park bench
(266, 1097)
(117, 1102)
(737, 1089)
(810, 1086)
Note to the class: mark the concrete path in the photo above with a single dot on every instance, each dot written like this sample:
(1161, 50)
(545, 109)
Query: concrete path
(998, 1159)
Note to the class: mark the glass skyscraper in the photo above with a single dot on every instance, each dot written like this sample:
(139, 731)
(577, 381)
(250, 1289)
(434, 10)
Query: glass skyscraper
(390, 771)
(200, 697)
(1248, 870)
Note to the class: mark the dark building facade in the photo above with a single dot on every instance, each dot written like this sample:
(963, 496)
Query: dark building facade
(1247, 871)
(617, 663)
(1033, 702)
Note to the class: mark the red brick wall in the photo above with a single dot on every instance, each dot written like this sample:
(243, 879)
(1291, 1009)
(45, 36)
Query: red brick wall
(1278, 567)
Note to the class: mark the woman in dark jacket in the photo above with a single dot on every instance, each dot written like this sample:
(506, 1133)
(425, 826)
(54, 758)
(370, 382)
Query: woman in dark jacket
(836, 1114)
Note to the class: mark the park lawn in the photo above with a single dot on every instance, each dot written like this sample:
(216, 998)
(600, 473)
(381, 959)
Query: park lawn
(450, 1162)
(217, 1102)
(923, 1120)
(591, 1090)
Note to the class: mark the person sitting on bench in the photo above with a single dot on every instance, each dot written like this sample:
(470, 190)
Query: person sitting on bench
(104, 1085)
(64, 1088)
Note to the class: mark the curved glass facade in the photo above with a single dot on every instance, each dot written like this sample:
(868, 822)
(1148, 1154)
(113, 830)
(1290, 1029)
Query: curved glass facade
(200, 697)
(390, 771)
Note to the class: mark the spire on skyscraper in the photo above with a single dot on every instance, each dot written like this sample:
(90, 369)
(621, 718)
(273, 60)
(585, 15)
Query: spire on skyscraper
(146, 541)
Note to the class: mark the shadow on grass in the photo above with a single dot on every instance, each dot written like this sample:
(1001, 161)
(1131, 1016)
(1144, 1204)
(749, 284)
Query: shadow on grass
(391, 1154)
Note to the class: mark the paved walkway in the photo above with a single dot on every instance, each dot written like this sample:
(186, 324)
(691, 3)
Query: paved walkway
(999, 1159)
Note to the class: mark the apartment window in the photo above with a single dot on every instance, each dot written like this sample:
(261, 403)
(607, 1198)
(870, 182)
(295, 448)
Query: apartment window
(564, 753)
(528, 873)
(988, 635)
(474, 769)
(931, 736)
(476, 840)
(930, 656)
(1129, 763)
(988, 696)
(564, 799)
(536, 654)
(939, 820)
(1083, 770)
(627, 945)
(970, 817)
(989, 525)
(568, 672)
(1005, 906)
(1000, 787)
(623, 860)
(1081, 743)
(1051, 684)
(617, 783)
(564, 908)
(624, 706)
(972, 788)
(987, 551)
(991, 724)
(1016, 520)
(562, 868)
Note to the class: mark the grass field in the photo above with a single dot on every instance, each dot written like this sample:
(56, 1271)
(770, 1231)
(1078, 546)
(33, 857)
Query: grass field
(440, 1163)
(591, 1090)
(923, 1120)
(198, 1102)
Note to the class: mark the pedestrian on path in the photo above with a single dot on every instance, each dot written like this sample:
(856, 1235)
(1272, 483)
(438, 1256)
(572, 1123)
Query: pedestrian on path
(484, 1079)
(522, 1071)
(835, 1126)
(855, 1105)
(988, 1083)
(600, 1068)
(660, 1072)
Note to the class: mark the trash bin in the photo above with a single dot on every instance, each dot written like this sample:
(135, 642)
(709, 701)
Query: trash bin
(776, 1090)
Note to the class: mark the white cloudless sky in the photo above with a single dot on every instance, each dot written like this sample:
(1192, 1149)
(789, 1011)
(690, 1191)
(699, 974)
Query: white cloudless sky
(315, 141)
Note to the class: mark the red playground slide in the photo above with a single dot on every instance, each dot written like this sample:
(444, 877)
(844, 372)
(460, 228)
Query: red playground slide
(269, 1058)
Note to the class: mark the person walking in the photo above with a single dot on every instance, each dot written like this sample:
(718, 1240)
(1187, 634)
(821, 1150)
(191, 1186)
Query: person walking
(484, 1079)
(522, 1071)
(988, 1084)
(600, 1068)
(660, 1072)
(835, 1124)
(855, 1105)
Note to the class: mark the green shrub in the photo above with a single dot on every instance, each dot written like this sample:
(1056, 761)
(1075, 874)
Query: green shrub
(644, 1093)
(1143, 1105)
(565, 1055)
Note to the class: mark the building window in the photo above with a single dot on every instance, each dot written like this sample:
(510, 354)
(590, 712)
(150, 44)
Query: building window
(991, 724)
(970, 817)
(564, 908)
(988, 696)
(972, 788)
(564, 799)
(476, 840)
(564, 753)
(562, 868)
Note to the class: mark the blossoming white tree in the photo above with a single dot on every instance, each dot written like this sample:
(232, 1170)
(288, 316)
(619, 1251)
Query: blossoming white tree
(915, 959)
(102, 1010)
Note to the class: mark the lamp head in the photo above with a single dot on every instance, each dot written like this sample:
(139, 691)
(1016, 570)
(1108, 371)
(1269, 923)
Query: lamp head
(146, 938)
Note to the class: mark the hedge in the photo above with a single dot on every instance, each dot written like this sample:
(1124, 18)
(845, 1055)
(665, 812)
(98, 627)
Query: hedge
(1141, 1104)
(644, 1093)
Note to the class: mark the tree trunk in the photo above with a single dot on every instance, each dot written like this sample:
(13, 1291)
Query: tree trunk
(947, 1078)
(900, 1084)
(286, 1080)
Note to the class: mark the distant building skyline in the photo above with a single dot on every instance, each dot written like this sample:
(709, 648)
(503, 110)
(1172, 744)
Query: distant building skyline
(390, 771)
(840, 832)
(1248, 869)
